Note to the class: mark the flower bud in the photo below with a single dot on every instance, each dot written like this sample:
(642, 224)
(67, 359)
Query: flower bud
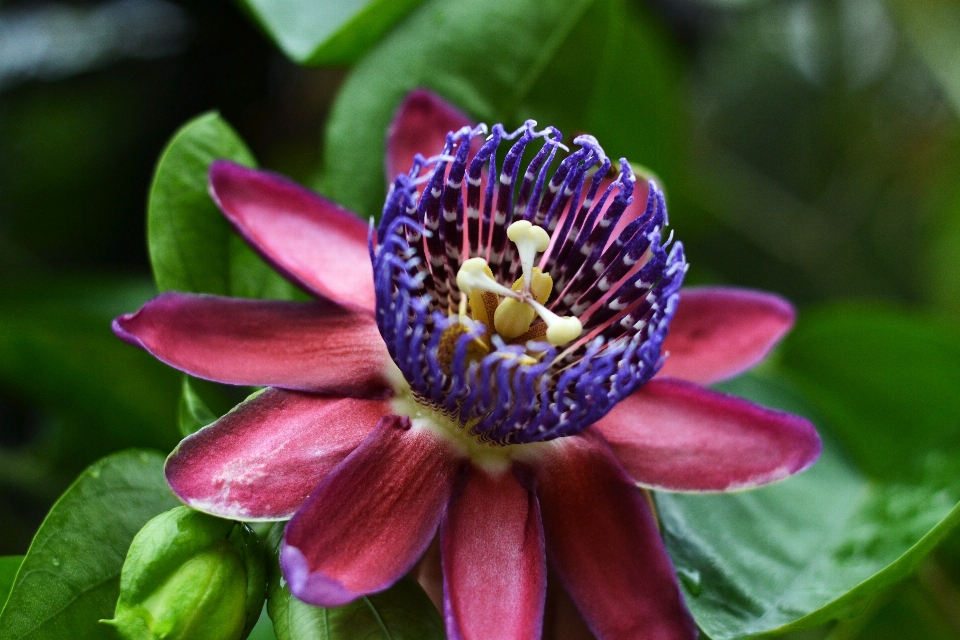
(189, 575)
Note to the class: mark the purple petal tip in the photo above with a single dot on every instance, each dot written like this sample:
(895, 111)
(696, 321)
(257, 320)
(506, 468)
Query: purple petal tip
(312, 587)
(121, 332)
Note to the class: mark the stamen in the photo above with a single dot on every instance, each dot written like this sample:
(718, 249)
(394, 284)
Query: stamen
(512, 317)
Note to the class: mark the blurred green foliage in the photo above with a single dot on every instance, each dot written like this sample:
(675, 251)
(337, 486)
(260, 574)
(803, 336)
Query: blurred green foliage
(809, 147)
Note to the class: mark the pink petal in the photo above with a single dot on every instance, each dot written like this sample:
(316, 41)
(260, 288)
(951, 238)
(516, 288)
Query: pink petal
(311, 346)
(678, 436)
(420, 126)
(371, 518)
(720, 332)
(261, 460)
(493, 560)
(604, 545)
(312, 241)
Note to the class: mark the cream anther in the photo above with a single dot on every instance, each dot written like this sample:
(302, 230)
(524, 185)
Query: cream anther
(473, 275)
(530, 240)
(560, 330)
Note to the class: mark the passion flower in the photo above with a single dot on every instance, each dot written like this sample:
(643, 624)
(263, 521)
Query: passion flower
(481, 364)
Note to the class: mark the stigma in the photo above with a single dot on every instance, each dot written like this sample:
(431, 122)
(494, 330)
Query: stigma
(516, 308)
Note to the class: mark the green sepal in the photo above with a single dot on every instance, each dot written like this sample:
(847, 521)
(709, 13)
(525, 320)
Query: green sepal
(191, 575)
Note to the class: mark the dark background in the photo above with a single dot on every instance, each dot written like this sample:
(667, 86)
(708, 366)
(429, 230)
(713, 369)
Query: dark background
(823, 164)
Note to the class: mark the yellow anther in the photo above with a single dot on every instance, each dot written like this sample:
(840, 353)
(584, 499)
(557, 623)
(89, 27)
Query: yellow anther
(446, 350)
(530, 240)
(513, 317)
(542, 285)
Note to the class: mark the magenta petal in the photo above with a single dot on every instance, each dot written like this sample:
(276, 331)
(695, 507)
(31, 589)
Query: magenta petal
(678, 436)
(420, 126)
(262, 460)
(720, 332)
(314, 242)
(493, 561)
(371, 518)
(604, 545)
(311, 346)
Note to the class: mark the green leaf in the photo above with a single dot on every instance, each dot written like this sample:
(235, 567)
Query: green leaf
(591, 65)
(932, 27)
(9, 565)
(886, 379)
(402, 612)
(264, 628)
(71, 574)
(192, 247)
(194, 413)
(920, 607)
(942, 266)
(820, 545)
(56, 350)
(327, 31)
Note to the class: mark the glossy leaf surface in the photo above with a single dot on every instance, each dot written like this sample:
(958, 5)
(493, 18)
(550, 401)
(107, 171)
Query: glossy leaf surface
(9, 565)
(193, 412)
(192, 247)
(820, 545)
(70, 577)
(504, 61)
(328, 31)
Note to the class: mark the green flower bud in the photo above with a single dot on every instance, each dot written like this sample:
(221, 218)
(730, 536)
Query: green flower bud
(189, 575)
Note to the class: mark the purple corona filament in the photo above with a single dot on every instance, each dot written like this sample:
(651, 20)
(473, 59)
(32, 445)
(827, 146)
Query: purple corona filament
(622, 287)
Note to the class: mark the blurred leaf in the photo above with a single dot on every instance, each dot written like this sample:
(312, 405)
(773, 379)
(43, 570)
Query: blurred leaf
(919, 608)
(71, 574)
(192, 247)
(820, 545)
(56, 349)
(194, 413)
(402, 612)
(327, 31)
(943, 263)
(886, 379)
(9, 565)
(592, 65)
(932, 27)
(820, 135)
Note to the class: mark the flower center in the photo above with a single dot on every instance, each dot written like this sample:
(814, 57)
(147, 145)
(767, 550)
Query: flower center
(511, 312)
(497, 342)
